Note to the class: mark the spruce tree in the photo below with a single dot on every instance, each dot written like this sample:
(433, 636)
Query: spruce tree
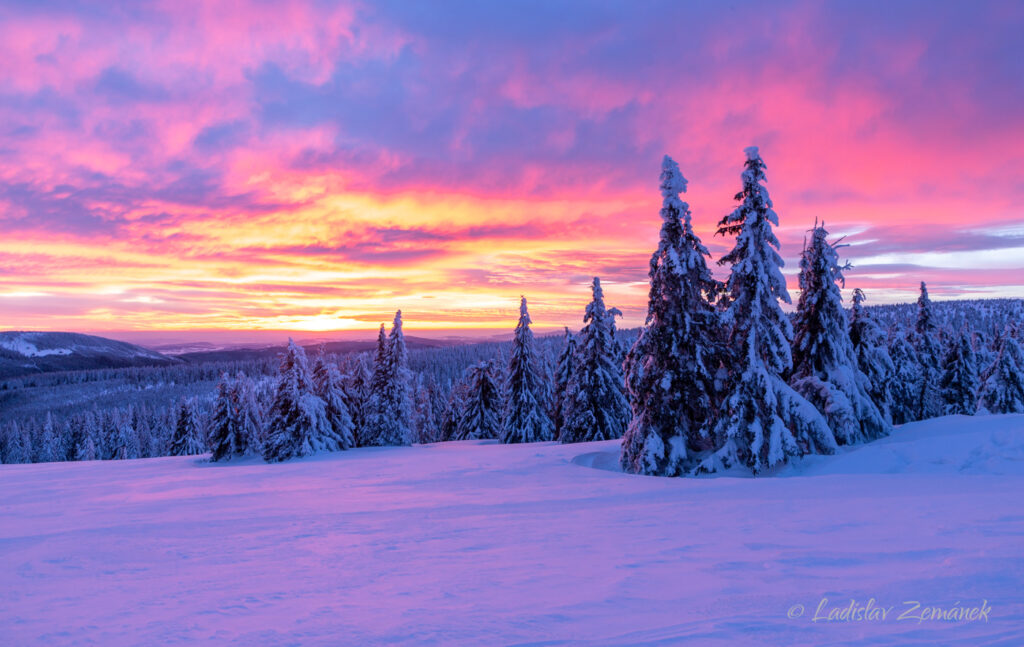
(49, 443)
(223, 435)
(525, 419)
(423, 422)
(825, 370)
(1003, 388)
(764, 422)
(670, 369)
(564, 368)
(904, 387)
(298, 423)
(327, 386)
(390, 408)
(959, 381)
(454, 408)
(873, 359)
(186, 440)
(85, 450)
(929, 356)
(481, 412)
(595, 406)
(251, 423)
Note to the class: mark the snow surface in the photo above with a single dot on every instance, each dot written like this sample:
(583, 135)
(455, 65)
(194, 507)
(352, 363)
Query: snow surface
(24, 347)
(481, 543)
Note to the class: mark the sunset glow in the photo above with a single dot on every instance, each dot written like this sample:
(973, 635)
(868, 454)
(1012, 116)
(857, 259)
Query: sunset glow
(184, 166)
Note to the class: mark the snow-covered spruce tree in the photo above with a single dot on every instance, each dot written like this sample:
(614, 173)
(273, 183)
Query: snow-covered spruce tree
(224, 435)
(764, 421)
(670, 369)
(357, 391)
(481, 411)
(873, 359)
(390, 417)
(327, 386)
(825, 367)
(85, 450)
(904, 387)
(929, 356)
(49, 450)
(186, 440)
(564, 367)
(1003, 388)
(423, 423)
(298, 423)
(595, 406)
(251, 423)
(525, 419)
(454, 408)
(959, 381)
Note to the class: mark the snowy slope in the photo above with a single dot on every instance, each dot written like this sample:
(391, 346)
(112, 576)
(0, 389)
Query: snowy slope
(23, 353)
(469, 543)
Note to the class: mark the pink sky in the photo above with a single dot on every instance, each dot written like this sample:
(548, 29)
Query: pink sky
(188, 166)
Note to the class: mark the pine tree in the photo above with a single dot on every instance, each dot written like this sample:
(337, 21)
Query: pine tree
(1003, 388)
(595, 405)
(390, 418)
(454, 408)
(929, 356)
(186, 440)
(872, 355)
(328, 387)
(85, 450)
(251, 424)
(481, 412)
(48, 446)
(298, 417)
(906, 377)
(825, 370)
(959, 381)
(525, 419)
(564, 367)
(670, 369)
(765, 422)
(227, 436)
(423, 422)
(19, 447)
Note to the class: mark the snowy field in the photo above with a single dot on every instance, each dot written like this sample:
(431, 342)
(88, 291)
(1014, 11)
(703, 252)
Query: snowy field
(469, 543)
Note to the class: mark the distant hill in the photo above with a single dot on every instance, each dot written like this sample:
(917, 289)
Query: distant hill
(26, 353)
(338, 347)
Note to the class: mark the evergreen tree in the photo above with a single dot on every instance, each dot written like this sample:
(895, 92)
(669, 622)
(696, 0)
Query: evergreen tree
(481, 411)
(765, 421)
(670, 369)
(423, 422)
(872, 355)
(49, 443)
(86, 449)
(298, 417)
(825, 367)
(525, 418)
(929, 356)
(906, 377)
(227, 437)
(390, 418)
(357, 392)
(251, 418)
(454, 408)
(564, 367)
(1003, 388)
(19, 447)
(186, 440)
(959, 382)
(327, 385)
(595, 405)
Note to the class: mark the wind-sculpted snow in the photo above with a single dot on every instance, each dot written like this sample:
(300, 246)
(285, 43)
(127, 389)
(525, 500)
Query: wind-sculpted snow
(488, 544)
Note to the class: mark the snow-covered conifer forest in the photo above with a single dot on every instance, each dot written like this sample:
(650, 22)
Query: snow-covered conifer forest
(723, 376)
